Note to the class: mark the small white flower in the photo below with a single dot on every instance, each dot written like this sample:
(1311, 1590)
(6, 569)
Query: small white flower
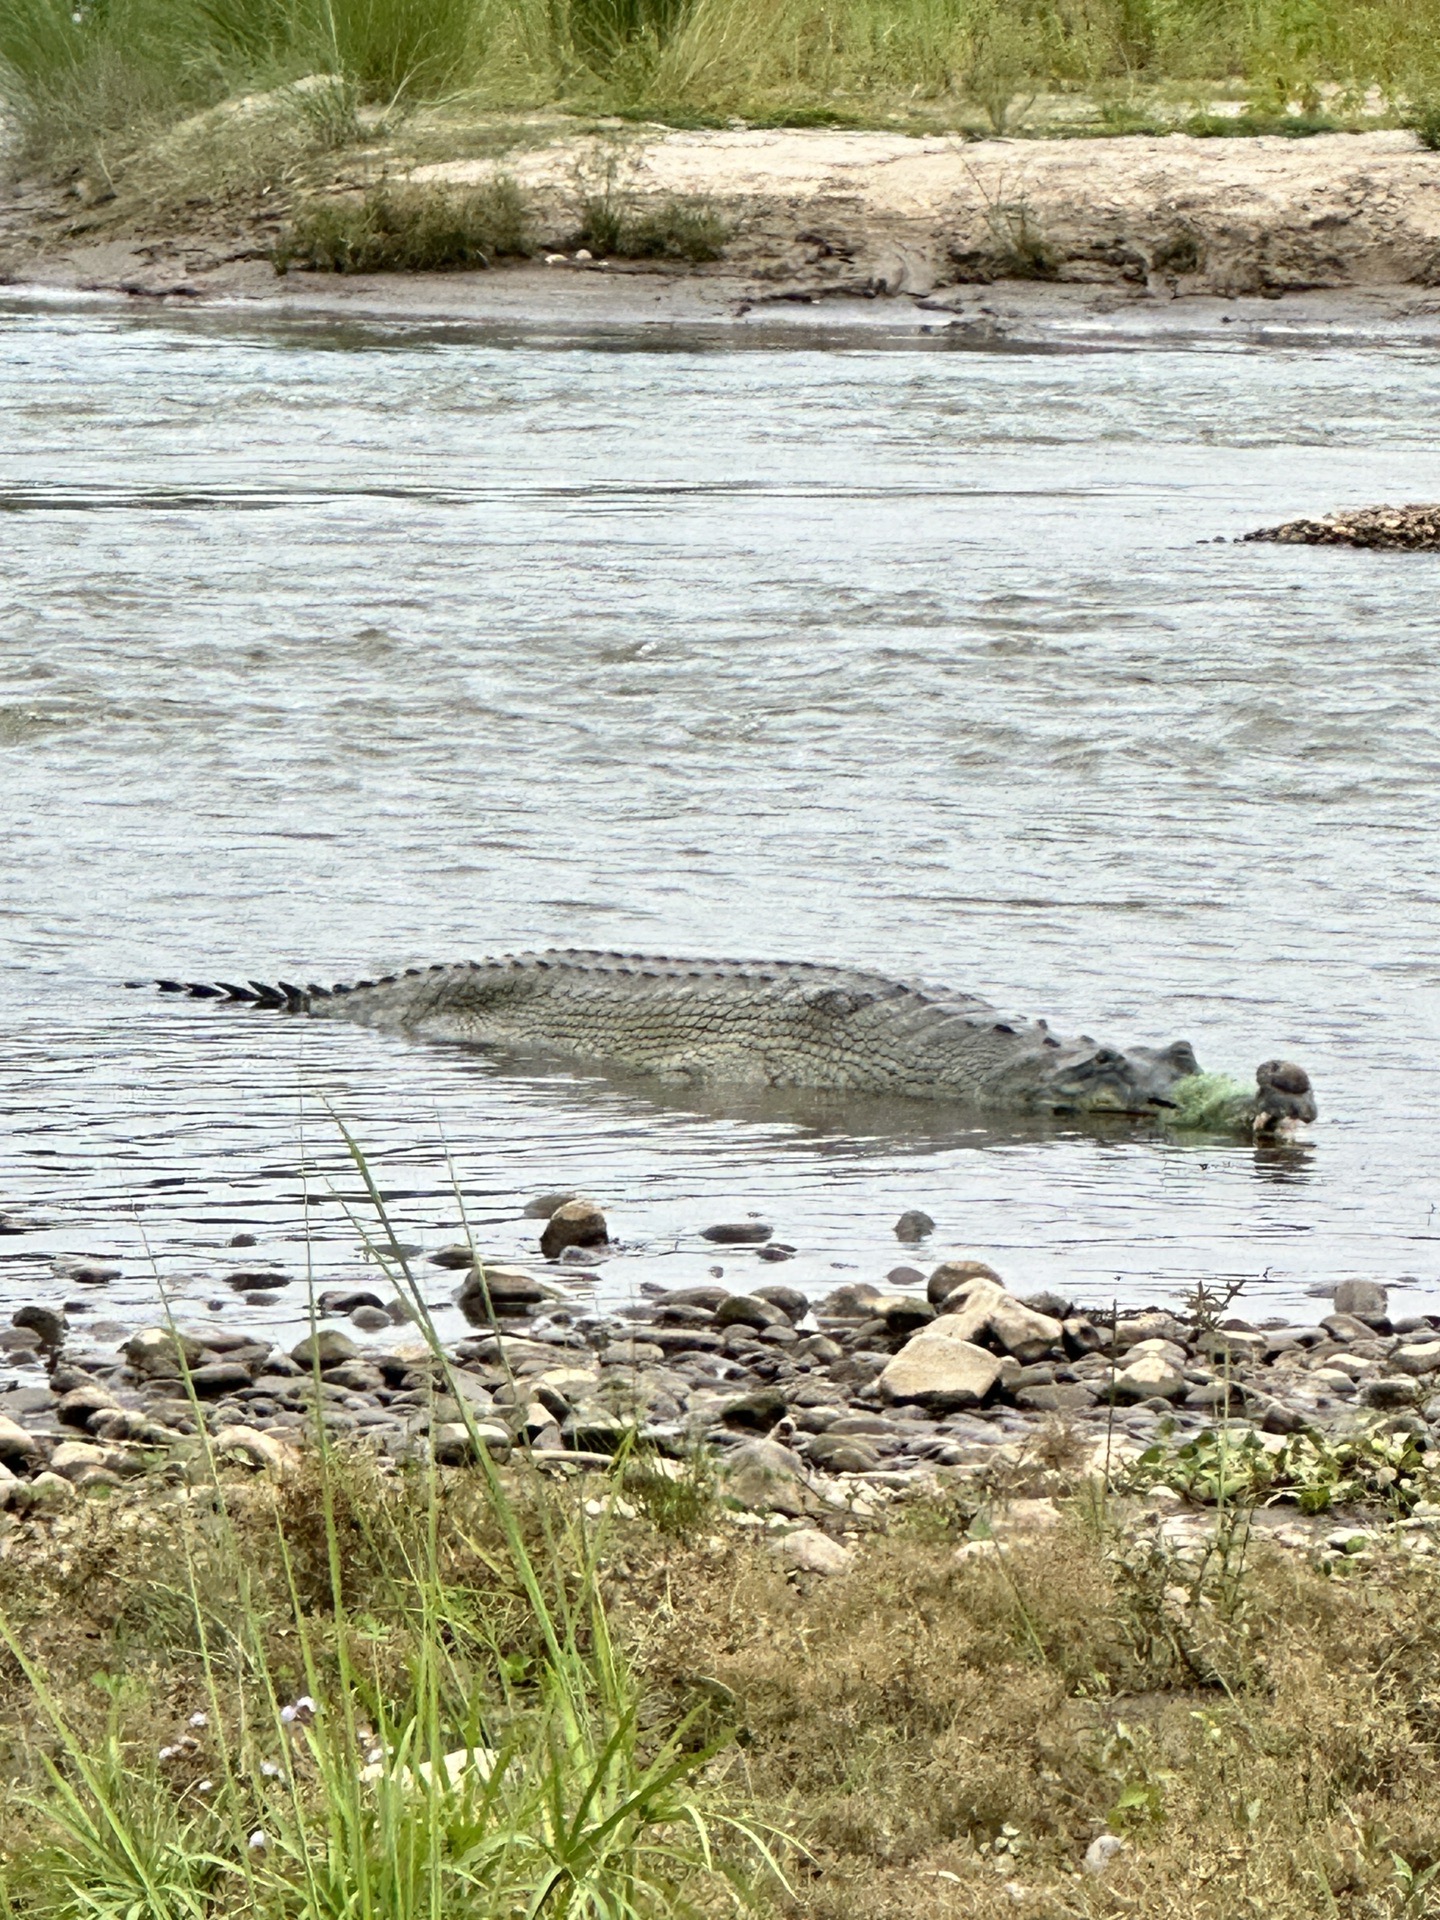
(287, 1714)
(258, 1842)
(306, 1705)
(269, 1770)
(168, 1753)
(374, 1756)
(204, 1786)
(198, 1720)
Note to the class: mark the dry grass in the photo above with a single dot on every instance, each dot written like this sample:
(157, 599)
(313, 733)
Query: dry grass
(946, 1738)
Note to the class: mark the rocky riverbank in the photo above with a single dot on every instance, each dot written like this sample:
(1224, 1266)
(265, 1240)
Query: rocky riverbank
(803, 1407)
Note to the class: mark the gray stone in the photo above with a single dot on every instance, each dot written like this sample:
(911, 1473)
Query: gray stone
(579, 1223)
(791, 1302)
(157, 1351)
(914, 1224)
(370, 1319)
(959, 1272)
(941, 1371)
(44, 1322)
(1151, 1377)
(1065, 1397)
(501, 1291)
(1365, 1299)
(329, 1346)
(836, 1453)
(738, 1233)
(810, 1551)
(984, 1311)
(73, 1409)
(453, 1444)
(18, 1446)
(219, 1377)
(757, 1411)
(749, 1310)
(766, 1477)
(853, 1301)
(456, 1258)
(546, 1204)
(1418, 1358)
(1052, 1305)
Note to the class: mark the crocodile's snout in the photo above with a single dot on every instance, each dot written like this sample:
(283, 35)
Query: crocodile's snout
(1283, 1095)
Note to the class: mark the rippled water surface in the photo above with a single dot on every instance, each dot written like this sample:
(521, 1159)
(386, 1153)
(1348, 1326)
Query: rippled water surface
(330, 649)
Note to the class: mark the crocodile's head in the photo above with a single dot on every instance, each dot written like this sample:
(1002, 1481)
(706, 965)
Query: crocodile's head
(1167, 1082)
(1105, 1080)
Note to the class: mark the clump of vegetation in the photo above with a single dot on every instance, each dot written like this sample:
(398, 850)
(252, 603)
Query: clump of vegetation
(1426, 123)
(1313, 1470)
(1208, 1103)
(615, 220)
(349, 1692)
(407, 229)
(91, 84)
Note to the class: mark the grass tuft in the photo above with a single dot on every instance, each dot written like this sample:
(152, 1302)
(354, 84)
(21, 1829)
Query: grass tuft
(407, 229)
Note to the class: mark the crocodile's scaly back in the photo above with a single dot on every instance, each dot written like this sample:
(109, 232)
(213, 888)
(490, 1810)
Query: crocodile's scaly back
(780, 1024)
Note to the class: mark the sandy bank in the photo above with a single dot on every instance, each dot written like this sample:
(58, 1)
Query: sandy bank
(1057, 230)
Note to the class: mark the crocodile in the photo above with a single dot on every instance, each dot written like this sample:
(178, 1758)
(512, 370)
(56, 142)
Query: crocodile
(784, 1024)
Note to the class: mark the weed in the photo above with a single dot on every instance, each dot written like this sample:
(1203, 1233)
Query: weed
(1311, 1469)
(614, 221)
(407, 229)
(470, 1775)
(1426, 122)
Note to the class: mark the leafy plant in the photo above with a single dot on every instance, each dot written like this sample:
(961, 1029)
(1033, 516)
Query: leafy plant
(1314, 1470)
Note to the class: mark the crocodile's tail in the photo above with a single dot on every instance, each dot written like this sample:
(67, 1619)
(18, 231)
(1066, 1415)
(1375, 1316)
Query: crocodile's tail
(283, 996)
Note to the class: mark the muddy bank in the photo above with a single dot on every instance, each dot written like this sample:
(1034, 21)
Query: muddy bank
(932, 229)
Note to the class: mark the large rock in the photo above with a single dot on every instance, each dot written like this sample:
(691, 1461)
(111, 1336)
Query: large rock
(263, 1451)
(914, 1224)
(18, 1446)
(951, 1274)
(758, 1411)
(986, 1313)
(1366, 1299)
(44, 1322)
(1419, 1358)
(749, 1310)
(767, 1478)
(854, 1301)
(326, 1346)
(1151, 1377)
(810, 1551)
(162, 1352)
(502, 1291)
(941, 1370)
(579, 1223)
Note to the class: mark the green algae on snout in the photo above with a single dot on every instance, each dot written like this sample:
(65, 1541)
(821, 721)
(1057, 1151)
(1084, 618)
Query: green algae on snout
(1211, 1103)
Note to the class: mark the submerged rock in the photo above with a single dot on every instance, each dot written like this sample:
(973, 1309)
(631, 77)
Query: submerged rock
(578, 1223)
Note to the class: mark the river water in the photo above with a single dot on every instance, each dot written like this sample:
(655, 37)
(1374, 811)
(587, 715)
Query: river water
(331, 648)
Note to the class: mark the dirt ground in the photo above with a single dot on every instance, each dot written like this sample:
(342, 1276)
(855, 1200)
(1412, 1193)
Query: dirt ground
(993, 236)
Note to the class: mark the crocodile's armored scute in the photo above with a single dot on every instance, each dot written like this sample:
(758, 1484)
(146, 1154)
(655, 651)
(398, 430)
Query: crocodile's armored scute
(779, 1024)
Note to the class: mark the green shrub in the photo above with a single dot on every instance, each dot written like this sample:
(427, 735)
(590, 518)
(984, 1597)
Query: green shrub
(408, 229)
